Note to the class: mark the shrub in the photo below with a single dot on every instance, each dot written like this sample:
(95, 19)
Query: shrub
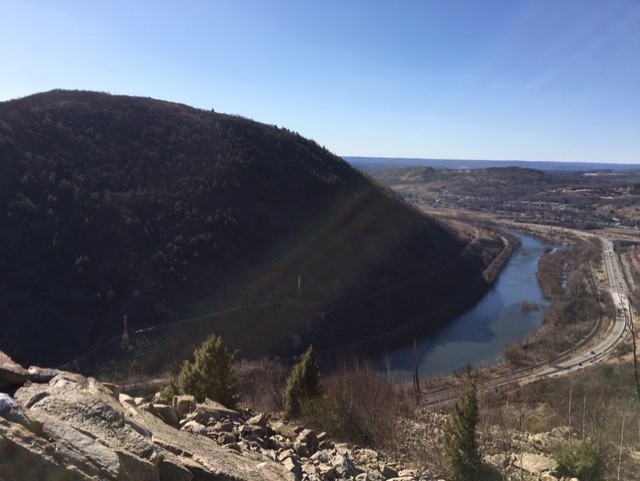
(586, 460)
(303, 383)
(211, 375)
(359, 406)
(170, 390)
(262, 384)
(461, 453)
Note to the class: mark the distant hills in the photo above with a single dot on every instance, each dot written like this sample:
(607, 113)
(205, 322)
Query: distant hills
(117, 206)
(376, 163)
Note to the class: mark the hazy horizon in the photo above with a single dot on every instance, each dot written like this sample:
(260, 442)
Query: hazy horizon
(425, 160)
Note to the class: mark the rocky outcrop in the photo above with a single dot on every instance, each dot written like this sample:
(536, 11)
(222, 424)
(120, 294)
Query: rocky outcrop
(73, 428)
(62, 426)
(11, 373)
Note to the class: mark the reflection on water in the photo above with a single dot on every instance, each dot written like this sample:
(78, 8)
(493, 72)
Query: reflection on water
(480, 335)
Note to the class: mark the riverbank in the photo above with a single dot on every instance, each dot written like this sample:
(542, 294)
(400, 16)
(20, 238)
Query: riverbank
(479, 335)
(579, 310)
(437, 319)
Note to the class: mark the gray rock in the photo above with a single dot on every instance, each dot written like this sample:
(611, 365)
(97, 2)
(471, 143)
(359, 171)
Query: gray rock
(225, 426)
(75, 447)
(11, 373)
(169, 470)
(535, 463)
(258, 420)
(301, 449)
(388, 471)
(344, 467)
(406, 473)
(210, 412)
(87, 408)
(234, 447)
(227, 438)
(308, 436)
(548, 477)
(184, 404)
(42, 374)
(308, 468)
(12, 412)
(25, 458)
(375, 475)
(292, 465)
(284, 455)
(194, 427)
(326, 472)
(285, 430)
(113, 388)
(126, 400)
(167, 414)
(137, 468)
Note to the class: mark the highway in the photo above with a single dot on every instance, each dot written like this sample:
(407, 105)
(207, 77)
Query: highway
(621, 327)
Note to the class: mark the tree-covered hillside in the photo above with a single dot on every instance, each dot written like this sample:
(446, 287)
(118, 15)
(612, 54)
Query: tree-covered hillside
(115, 206)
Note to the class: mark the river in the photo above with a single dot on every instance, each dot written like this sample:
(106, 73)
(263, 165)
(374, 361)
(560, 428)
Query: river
(480, 335)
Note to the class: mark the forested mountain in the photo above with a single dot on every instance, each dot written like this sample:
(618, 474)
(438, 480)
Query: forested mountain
(115, 205)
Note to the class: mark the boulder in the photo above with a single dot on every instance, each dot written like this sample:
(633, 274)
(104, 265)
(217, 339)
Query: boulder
(285, 430)
(292, 465)
(126, 400)
(210, 412)
(344, 467)
(167, 414)
(42, 374)
(12, 412)
(194, 427)
(224, 426)
(548, 477)
(388, 471)
(184, 404)
(11, 373)
(301, 449)
(25, 457)
(326, 472)
(535, 464)
(258, 420)
(169, 470)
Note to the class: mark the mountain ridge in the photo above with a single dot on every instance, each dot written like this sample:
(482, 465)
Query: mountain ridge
(127, 206)
(377, 163)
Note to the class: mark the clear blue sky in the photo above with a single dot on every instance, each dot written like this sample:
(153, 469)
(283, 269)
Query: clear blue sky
(530, 80)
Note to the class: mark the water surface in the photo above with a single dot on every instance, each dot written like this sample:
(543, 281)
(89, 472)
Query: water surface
(480, 335)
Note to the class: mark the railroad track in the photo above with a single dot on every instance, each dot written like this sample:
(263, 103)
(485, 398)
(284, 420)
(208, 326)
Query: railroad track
(562, 365)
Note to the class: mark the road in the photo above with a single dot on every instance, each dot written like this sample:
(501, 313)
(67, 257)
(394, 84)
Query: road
(572, 361)
(621, 327)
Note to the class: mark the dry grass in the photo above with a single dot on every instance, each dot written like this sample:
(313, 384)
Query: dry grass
(262, 384)
(358, 405)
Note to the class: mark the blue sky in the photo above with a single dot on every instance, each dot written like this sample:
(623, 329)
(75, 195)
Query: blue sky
(528, 80)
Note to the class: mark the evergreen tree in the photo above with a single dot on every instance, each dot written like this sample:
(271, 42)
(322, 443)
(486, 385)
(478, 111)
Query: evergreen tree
(302, 384)
(211, 375)
(460, 448)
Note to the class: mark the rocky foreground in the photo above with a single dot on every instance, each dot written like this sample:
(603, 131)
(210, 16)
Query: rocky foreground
(61, 426)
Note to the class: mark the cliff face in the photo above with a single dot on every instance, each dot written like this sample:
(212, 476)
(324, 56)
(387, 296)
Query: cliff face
(119, 206)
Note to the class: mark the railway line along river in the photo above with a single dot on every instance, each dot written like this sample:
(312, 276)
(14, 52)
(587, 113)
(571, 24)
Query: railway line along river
(510, 311)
